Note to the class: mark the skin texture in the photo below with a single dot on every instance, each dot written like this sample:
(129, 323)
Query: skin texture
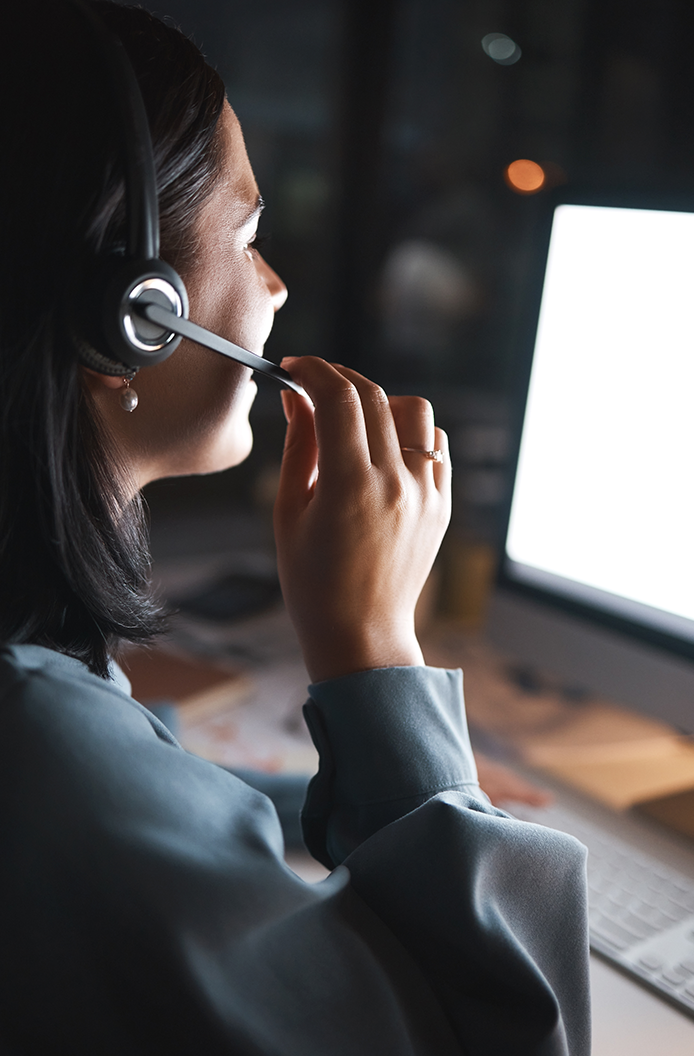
(193, 411)
(358, 521)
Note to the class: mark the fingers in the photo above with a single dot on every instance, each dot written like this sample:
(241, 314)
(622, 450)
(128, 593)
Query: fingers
(357, 424)
(300, 459)
(378, 417)
(442, 470)
(414, 420)
(435, 460)
(340, 427)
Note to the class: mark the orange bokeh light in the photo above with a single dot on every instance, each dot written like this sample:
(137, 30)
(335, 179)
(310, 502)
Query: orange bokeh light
(525, 176)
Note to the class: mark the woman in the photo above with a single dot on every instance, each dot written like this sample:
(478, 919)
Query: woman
(146, 907)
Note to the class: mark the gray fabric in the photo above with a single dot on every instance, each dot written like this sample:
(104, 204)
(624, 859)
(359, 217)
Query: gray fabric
(146, 907)
(287, 793)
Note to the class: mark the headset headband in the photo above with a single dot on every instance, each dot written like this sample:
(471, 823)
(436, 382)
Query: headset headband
(145, 303)
(140, 180)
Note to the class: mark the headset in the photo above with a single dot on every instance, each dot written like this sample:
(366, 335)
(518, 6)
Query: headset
(144, 312)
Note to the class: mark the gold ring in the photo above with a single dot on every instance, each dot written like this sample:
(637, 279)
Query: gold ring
(435, 456)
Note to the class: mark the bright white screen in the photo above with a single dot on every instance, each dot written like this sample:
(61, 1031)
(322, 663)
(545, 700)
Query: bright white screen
(604, 493)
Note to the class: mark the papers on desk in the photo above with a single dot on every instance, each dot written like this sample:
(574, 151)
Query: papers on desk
(234, 715)
(615, 755)
(198, 687)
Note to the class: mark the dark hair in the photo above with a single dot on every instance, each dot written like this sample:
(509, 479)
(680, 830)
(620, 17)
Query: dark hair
(74, 560)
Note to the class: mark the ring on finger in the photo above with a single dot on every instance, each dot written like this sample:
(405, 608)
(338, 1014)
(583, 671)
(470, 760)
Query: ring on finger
(435, 456)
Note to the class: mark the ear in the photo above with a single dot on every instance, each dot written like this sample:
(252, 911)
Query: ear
(108, 381)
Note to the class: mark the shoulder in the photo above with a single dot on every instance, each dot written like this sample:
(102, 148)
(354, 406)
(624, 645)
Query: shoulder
(85, 749)
(49, 694)
(68, 735)
(85, 775)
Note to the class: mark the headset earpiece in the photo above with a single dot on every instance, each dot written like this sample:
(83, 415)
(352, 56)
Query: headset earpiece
(143, 301)
(130, 337)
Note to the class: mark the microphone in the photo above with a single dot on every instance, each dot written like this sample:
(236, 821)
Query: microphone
(145, 300)
(168, 320)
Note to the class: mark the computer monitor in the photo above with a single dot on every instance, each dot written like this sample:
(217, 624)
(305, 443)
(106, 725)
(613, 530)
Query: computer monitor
(601, 518)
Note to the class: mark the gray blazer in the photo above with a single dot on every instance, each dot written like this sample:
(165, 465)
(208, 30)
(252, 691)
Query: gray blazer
(145, 906)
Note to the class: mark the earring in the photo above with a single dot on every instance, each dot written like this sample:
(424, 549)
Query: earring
(128, 397)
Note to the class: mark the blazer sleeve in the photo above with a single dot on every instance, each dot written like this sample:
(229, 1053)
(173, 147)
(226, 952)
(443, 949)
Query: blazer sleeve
(147, 908)
(492, 909)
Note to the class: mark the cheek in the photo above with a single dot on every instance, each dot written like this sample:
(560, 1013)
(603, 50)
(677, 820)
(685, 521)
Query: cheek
(189, 399)
(215, 395)
(238, 308)
(222, 437)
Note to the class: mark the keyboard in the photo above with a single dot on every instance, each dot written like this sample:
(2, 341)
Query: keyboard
(641, 912)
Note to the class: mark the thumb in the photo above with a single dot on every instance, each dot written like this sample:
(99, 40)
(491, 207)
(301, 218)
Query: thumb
(300, 458)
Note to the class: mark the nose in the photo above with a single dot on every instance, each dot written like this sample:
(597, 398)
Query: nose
(276, 288)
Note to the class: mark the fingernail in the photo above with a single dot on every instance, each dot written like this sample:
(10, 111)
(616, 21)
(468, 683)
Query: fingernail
(289, 359)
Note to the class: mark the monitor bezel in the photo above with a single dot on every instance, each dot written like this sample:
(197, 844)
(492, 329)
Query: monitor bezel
(674, 201)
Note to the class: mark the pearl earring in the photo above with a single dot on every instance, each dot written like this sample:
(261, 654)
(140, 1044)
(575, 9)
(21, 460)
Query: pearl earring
(128, 397)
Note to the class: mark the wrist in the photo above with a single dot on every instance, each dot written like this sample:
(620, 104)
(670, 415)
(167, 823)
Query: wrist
(339, 654)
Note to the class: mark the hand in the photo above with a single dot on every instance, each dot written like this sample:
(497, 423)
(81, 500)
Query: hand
(358, 521)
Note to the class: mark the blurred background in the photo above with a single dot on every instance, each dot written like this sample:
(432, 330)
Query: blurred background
(383, 134)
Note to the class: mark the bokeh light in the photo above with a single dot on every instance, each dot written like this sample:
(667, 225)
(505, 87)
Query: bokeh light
(524, 176)
(501, 49)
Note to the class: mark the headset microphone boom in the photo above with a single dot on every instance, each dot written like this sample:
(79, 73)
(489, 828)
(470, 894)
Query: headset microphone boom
(144, 301)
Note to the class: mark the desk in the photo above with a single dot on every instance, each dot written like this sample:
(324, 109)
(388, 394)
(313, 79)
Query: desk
(629, 1021)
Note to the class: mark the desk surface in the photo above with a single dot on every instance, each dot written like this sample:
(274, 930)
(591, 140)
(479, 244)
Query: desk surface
(630, 1021)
